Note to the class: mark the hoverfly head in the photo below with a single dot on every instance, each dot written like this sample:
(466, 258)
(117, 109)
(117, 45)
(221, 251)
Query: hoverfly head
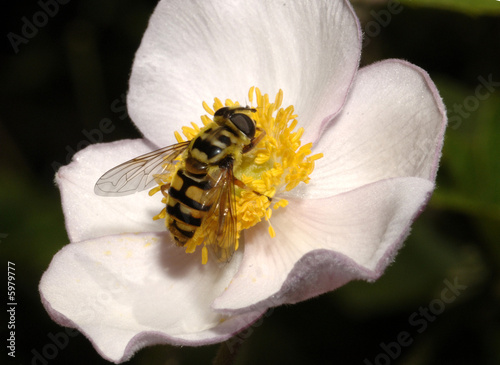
(239, 117)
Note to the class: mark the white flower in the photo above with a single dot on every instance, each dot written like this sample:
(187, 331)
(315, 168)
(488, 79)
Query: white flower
(380, 130)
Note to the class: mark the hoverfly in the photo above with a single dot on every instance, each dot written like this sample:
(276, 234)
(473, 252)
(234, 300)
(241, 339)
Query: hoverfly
(203, 185)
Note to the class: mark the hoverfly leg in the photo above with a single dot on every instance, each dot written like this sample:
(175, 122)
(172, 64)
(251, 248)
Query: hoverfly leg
(254, 142)
(164, 189)
(242, 185)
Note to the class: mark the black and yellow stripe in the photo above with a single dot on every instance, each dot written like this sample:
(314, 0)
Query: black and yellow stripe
(184, 206)
(213, 146)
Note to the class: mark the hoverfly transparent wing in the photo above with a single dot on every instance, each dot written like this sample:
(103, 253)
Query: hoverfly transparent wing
(220, 224)
(139, 173)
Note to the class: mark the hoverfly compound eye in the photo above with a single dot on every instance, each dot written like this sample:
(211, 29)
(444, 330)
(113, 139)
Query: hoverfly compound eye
(240, 120)
(244, 123)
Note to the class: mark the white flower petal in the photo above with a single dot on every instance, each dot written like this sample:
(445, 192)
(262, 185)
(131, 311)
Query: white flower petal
(193, 51)
(126, 292)
(88, 215)
(322, 244)
(391, 126)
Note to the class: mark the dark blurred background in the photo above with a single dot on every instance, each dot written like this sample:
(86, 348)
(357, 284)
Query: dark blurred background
(71, 73)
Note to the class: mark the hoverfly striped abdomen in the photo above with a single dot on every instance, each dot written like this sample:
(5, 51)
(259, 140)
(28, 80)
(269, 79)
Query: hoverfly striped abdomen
(184, 204)
(209, 157)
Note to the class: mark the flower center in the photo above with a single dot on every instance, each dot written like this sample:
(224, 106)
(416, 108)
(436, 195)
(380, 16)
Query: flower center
(278, 163)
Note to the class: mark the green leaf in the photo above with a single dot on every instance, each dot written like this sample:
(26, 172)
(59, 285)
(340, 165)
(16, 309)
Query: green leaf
(473, 7)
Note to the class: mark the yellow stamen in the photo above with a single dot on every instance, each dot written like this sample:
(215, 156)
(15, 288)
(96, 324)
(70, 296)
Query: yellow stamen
(154, 190)
(207, 108)
(281, 204)
(250, 94)
(160, 215)
(277, 164)
(204, 255)
(272, 233)
(178, 137)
